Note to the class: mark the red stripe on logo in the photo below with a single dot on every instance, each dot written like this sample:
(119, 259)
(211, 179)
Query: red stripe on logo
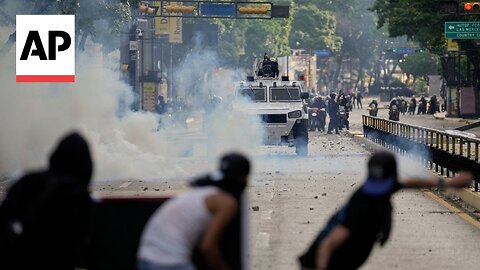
(45, 78)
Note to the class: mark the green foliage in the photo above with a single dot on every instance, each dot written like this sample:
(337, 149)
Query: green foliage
(231, 40)
(101, 19)
(252, 38)
(360, 39)
(267, 36)
(417, 19)
(420, 64)
(420, 86)
(314, 29)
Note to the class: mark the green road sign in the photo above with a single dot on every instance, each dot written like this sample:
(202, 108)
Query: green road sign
(462, 30)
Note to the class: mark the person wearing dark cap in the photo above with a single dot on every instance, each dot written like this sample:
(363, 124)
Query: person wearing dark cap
(349, 236)
(197, 217)
(45, 215)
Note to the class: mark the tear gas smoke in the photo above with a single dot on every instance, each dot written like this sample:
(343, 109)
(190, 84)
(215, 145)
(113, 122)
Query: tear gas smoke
(34, 116)
(208, 91)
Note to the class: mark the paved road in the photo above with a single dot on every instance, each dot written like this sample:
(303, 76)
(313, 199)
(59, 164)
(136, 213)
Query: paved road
(426, 235)
(295, 196)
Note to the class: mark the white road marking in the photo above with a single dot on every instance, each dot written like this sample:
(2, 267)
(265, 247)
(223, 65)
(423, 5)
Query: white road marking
(126, 184)
(263, 239)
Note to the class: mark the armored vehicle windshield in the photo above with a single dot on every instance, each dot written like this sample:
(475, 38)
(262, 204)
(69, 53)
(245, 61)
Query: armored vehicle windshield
(257, 94)
(285, 94)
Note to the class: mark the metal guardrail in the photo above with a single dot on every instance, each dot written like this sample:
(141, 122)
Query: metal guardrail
(440, 151)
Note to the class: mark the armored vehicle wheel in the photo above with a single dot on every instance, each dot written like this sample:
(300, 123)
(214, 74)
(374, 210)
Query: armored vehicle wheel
(300, 135)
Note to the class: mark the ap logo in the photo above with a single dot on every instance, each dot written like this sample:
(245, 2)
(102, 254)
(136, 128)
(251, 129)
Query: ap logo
(45, 48)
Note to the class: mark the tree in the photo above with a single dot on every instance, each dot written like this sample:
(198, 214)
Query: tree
(362, 42)
(314, 29)
(102, 19)
(241, 41)
(416, 19)
(420, 65)
(267, 36)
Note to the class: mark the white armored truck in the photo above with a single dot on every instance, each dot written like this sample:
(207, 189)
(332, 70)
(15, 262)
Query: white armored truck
(279, 104)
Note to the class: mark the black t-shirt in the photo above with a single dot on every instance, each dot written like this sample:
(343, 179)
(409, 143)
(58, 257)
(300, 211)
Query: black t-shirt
(368, 218)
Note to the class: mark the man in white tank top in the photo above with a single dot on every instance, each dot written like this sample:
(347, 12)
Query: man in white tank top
(196, 217)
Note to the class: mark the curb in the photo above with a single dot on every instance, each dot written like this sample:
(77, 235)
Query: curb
(441, 116)
(454, 209)
(468, 196)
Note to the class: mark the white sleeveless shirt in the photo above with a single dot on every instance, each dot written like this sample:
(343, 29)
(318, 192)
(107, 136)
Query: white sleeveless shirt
(173, 230)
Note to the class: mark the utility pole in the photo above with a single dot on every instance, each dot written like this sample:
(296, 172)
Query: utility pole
(138, 70)
(170, 74)
(142, 70)
(149, 10)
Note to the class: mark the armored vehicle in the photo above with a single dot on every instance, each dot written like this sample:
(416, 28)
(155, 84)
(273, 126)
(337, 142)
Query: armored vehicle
(279, 104)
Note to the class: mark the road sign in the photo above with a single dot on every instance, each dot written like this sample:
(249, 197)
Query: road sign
(220, 9)
(323, 53)
(452, 46)
(217, 9)
(462, 30)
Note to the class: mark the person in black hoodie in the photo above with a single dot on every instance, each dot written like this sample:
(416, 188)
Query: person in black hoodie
(349, 236)
(45, 215)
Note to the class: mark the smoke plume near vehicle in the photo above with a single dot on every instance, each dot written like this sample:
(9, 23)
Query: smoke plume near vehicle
(208, 90)
(125, 144)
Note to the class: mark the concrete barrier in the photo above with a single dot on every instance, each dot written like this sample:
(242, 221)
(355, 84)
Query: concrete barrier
(117, 224)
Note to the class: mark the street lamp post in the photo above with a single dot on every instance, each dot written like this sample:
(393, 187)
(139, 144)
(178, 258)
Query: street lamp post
(142, 75)
(170, 81)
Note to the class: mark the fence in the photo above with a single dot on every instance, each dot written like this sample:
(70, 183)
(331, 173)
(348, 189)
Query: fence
(438, 150)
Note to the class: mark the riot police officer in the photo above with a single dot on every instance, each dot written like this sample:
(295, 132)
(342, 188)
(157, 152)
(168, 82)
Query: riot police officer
(333, 114)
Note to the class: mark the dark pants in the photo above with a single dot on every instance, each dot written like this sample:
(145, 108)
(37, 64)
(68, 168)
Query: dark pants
(411, 110)
(333, 124)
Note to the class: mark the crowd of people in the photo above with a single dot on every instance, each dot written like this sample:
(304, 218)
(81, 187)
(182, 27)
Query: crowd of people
(421, 106)
(45, 215)
(401, 105)
(337, 107)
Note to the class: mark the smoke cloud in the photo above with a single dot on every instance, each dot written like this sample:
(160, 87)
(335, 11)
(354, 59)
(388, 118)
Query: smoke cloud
(33, 116)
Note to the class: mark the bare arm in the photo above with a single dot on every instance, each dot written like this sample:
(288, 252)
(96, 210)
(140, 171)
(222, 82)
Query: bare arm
(223, 208)
(332, 241)
(461, 179)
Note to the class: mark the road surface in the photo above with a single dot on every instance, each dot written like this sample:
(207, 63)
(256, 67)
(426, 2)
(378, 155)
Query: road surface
(292, 197)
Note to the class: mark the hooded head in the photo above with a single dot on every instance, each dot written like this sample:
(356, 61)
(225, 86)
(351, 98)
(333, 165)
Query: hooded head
(72, 158)
(382, 174)
(231, 176)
